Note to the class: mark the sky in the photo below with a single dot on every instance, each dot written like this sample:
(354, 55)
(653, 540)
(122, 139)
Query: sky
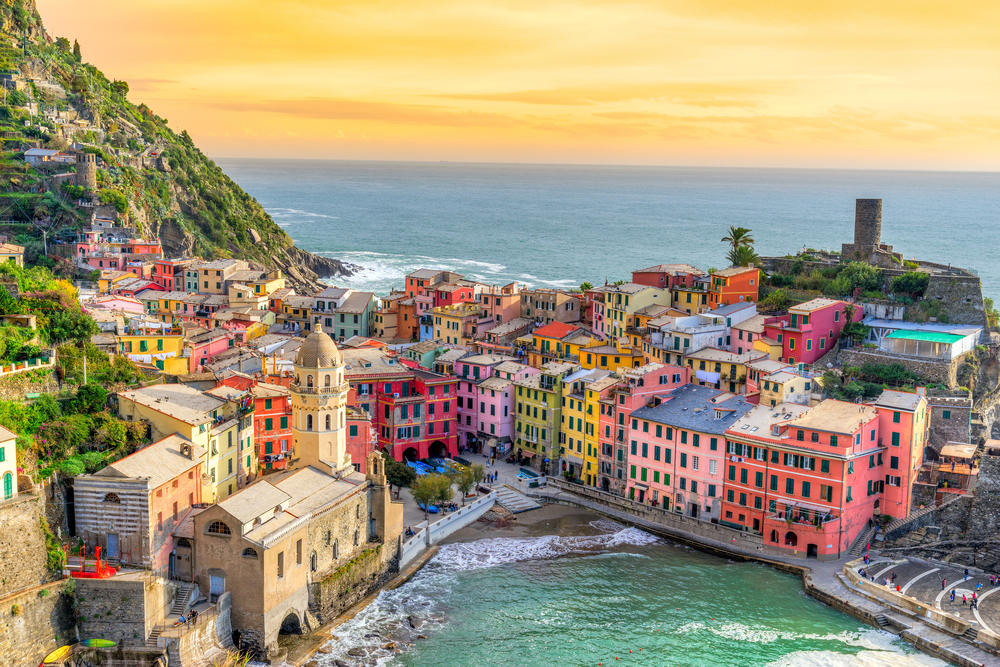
(897, 84)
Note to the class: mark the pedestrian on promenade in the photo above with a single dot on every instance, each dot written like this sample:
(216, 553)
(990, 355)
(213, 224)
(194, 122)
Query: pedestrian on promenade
(952, 599)
(966, 574)
(869, 523)
(944, 582)
(964, 599)
(893, 576)
(975, 604)
(974, 595)
(979, 586)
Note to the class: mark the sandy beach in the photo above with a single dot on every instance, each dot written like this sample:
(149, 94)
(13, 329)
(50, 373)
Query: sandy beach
(547, 520)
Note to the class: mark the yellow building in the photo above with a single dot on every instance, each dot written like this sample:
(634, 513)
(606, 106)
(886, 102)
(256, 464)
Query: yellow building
(165, 351)
(690, 299)
(268, 283)
(109, 279)
(768, 346)
(611, 357)
(785, 387)
(599, 398)
(222, 427)
(574, 423)
(622, 302)
(14, 254)
(457, 324)
(723, 370)
(557, 342)
(537, 419)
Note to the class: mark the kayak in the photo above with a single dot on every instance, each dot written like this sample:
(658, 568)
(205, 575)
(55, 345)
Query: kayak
(57, 655)
(97, 643)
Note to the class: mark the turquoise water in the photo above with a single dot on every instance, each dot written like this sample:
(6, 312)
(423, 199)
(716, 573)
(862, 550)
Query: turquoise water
(556, 226)
(591, 599)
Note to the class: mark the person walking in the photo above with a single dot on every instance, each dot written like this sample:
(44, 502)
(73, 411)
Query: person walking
(893, 576)
(966, 574)
(944, 582)
(952, 599)
(964, 600)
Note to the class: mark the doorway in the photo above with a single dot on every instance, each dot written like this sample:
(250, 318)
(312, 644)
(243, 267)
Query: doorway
(694, 510)
(112, 545)
(812, 551)
(217, 586)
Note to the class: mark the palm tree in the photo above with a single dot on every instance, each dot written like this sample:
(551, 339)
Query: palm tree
(584, 286)
(743, 255)
(618, 282)
(738, 236)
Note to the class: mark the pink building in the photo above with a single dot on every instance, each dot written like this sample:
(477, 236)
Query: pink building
(461, 291)
(125, 304)
(677, 449)
(807, 479)
(500, 304)
(205, 346)
(809, 330)
(904, 423)
(361, 437)
(471, 371)
(637, 388)
(495, 411)
(666, 276)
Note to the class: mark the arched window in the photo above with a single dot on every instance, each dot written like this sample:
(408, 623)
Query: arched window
(329, 537)
(774, 536)
(309, 422)
(326, 380)
(182, 542)
(357, 512)
(336, 549)
(309, 380)
(112, 498)
(313, 561)
(219, 528)
(250, 553)
(356, 534)
(328, 422)
(791, 539)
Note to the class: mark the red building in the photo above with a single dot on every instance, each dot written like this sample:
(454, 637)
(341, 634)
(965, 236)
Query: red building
(809, 330)
(415, 416)
(361, 438)
(666, 276)
(272, 429)
(739, 283)
(452, 293)
(169, 274)
(807, 479)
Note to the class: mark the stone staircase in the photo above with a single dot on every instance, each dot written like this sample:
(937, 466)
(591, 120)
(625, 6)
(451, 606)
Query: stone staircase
(913, 516)
(153, 636)
(182, 599)
(882, 621)
(514, 501)
(862, 541)
(971, 634)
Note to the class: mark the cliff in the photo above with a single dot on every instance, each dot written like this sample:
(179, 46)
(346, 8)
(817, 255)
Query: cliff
(148, 176)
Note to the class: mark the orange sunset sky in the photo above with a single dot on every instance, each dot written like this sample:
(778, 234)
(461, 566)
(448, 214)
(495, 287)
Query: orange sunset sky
(870, 84)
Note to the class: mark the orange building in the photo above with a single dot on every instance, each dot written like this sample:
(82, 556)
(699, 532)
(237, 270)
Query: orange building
(739, 283)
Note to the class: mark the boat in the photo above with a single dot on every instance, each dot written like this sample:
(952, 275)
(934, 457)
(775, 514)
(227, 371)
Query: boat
(57, 655)
(433, 509)
(98, 643)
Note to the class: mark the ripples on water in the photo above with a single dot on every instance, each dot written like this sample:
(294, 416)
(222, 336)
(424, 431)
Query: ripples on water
(581, 600)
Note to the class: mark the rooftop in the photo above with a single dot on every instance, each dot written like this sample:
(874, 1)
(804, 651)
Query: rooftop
(487, 359)
(898, 400)
(357, 302)
(555, 330)
(836, 416)
(767, 366)
(509, 327)
(250, 502)
(176, 400)
(758, 422)
(814, 304)
(495, 383)
(753, 324)
(692, 407)
(734, 271)
(926, 336)
(159, 462)
(672, 269)
(510, 367)
(713, 354)
(725, 311)
(627, 288)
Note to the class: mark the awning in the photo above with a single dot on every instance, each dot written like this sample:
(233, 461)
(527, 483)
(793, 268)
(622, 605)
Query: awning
(644, 487)
(930, 336)
(527, 455)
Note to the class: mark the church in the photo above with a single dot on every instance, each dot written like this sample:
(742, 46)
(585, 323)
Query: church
(297, 548)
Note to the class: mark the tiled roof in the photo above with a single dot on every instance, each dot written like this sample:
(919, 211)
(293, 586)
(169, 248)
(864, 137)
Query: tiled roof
(555, 330)
(160, 462)
(691, 407)
(898, 400)
(188, 405)
(250, 502)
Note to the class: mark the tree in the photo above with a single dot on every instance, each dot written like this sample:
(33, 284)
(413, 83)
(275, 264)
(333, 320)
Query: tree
(860, 274)
(444, 489)
(76, 51)
(776, 300)
(90, 398)
(584, 286)
(991, 313)
(120, 87)
(398, 474)
(466, 480)
(744, 255)
(912, 284)
(738, 237)
(618, 282)
(425, 491)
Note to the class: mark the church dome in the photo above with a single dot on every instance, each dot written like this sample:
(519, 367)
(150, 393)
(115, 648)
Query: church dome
(319, 351)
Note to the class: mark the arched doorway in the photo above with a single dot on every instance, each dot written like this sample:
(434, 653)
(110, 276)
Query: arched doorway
(437, 450)
(774, 536)
(410, 454)
(291, 625)
(791, 539)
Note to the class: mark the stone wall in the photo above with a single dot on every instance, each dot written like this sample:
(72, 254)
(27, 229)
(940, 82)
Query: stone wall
(207, 642)
(984, 517)
(352, 581)
(931, 371)
(957, 428)
(22, 545)
(44, 621)
(923, 495)
(961, 296)
(123, 610)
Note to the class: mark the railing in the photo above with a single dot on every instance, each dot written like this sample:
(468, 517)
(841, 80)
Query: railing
(171, 631)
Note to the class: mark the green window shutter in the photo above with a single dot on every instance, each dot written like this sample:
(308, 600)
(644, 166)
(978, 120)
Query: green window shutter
(269, 424)
(284, 422)
(895, 439)
(632, 472)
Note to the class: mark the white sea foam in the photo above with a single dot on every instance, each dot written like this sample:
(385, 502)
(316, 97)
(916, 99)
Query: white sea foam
(277, 213)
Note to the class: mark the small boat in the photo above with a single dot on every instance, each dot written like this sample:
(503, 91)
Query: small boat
(57, 655)
(433, 509)
(97, 643)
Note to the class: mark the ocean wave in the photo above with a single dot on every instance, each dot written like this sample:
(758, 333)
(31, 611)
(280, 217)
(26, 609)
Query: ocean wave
(502, 550)
(294, 212)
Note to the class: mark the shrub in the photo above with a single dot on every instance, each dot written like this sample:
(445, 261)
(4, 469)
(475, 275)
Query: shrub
(72, 468)
(912, 284)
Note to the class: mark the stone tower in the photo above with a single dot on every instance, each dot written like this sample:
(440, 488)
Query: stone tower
(319, 406)
(86, 170)
(867, 223)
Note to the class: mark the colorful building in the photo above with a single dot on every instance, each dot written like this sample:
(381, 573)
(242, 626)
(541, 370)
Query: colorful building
(904, 427)
(721, 369)
(599, 398)
(809, 330)
(165, 351)
(574, 427)
(361, 438)
(500, 303)
(539, 411)
(425, 281)
(473, 425)
(415, 416)
(729, 286)
(677, 450)
(457, 324)
(556, 341)
(622, 302)
(666, 276)
(544, 306)
(807, 479)
(8, 463)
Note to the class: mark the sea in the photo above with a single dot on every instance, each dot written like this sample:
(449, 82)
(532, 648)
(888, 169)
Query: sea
(613, 596)
(561, 225)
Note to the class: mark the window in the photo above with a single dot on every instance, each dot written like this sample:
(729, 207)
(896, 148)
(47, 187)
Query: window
(895, 439)
(713, 444)
(632, 472)
(849, 499)
(298, 552)
(759, 480)
(743, 499)
(729, 496)
(281, 564)
(824, 466)
(894, 462)
(774, 482)
(806, 488)
(800, 435)
(219, 528)
(743, 475)
(250, 553)
(269, 424)
(112, 498)
(946, 414)
(833, 441)
(712, 466)
(789, 486)
(711, 489)
(684, 460)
